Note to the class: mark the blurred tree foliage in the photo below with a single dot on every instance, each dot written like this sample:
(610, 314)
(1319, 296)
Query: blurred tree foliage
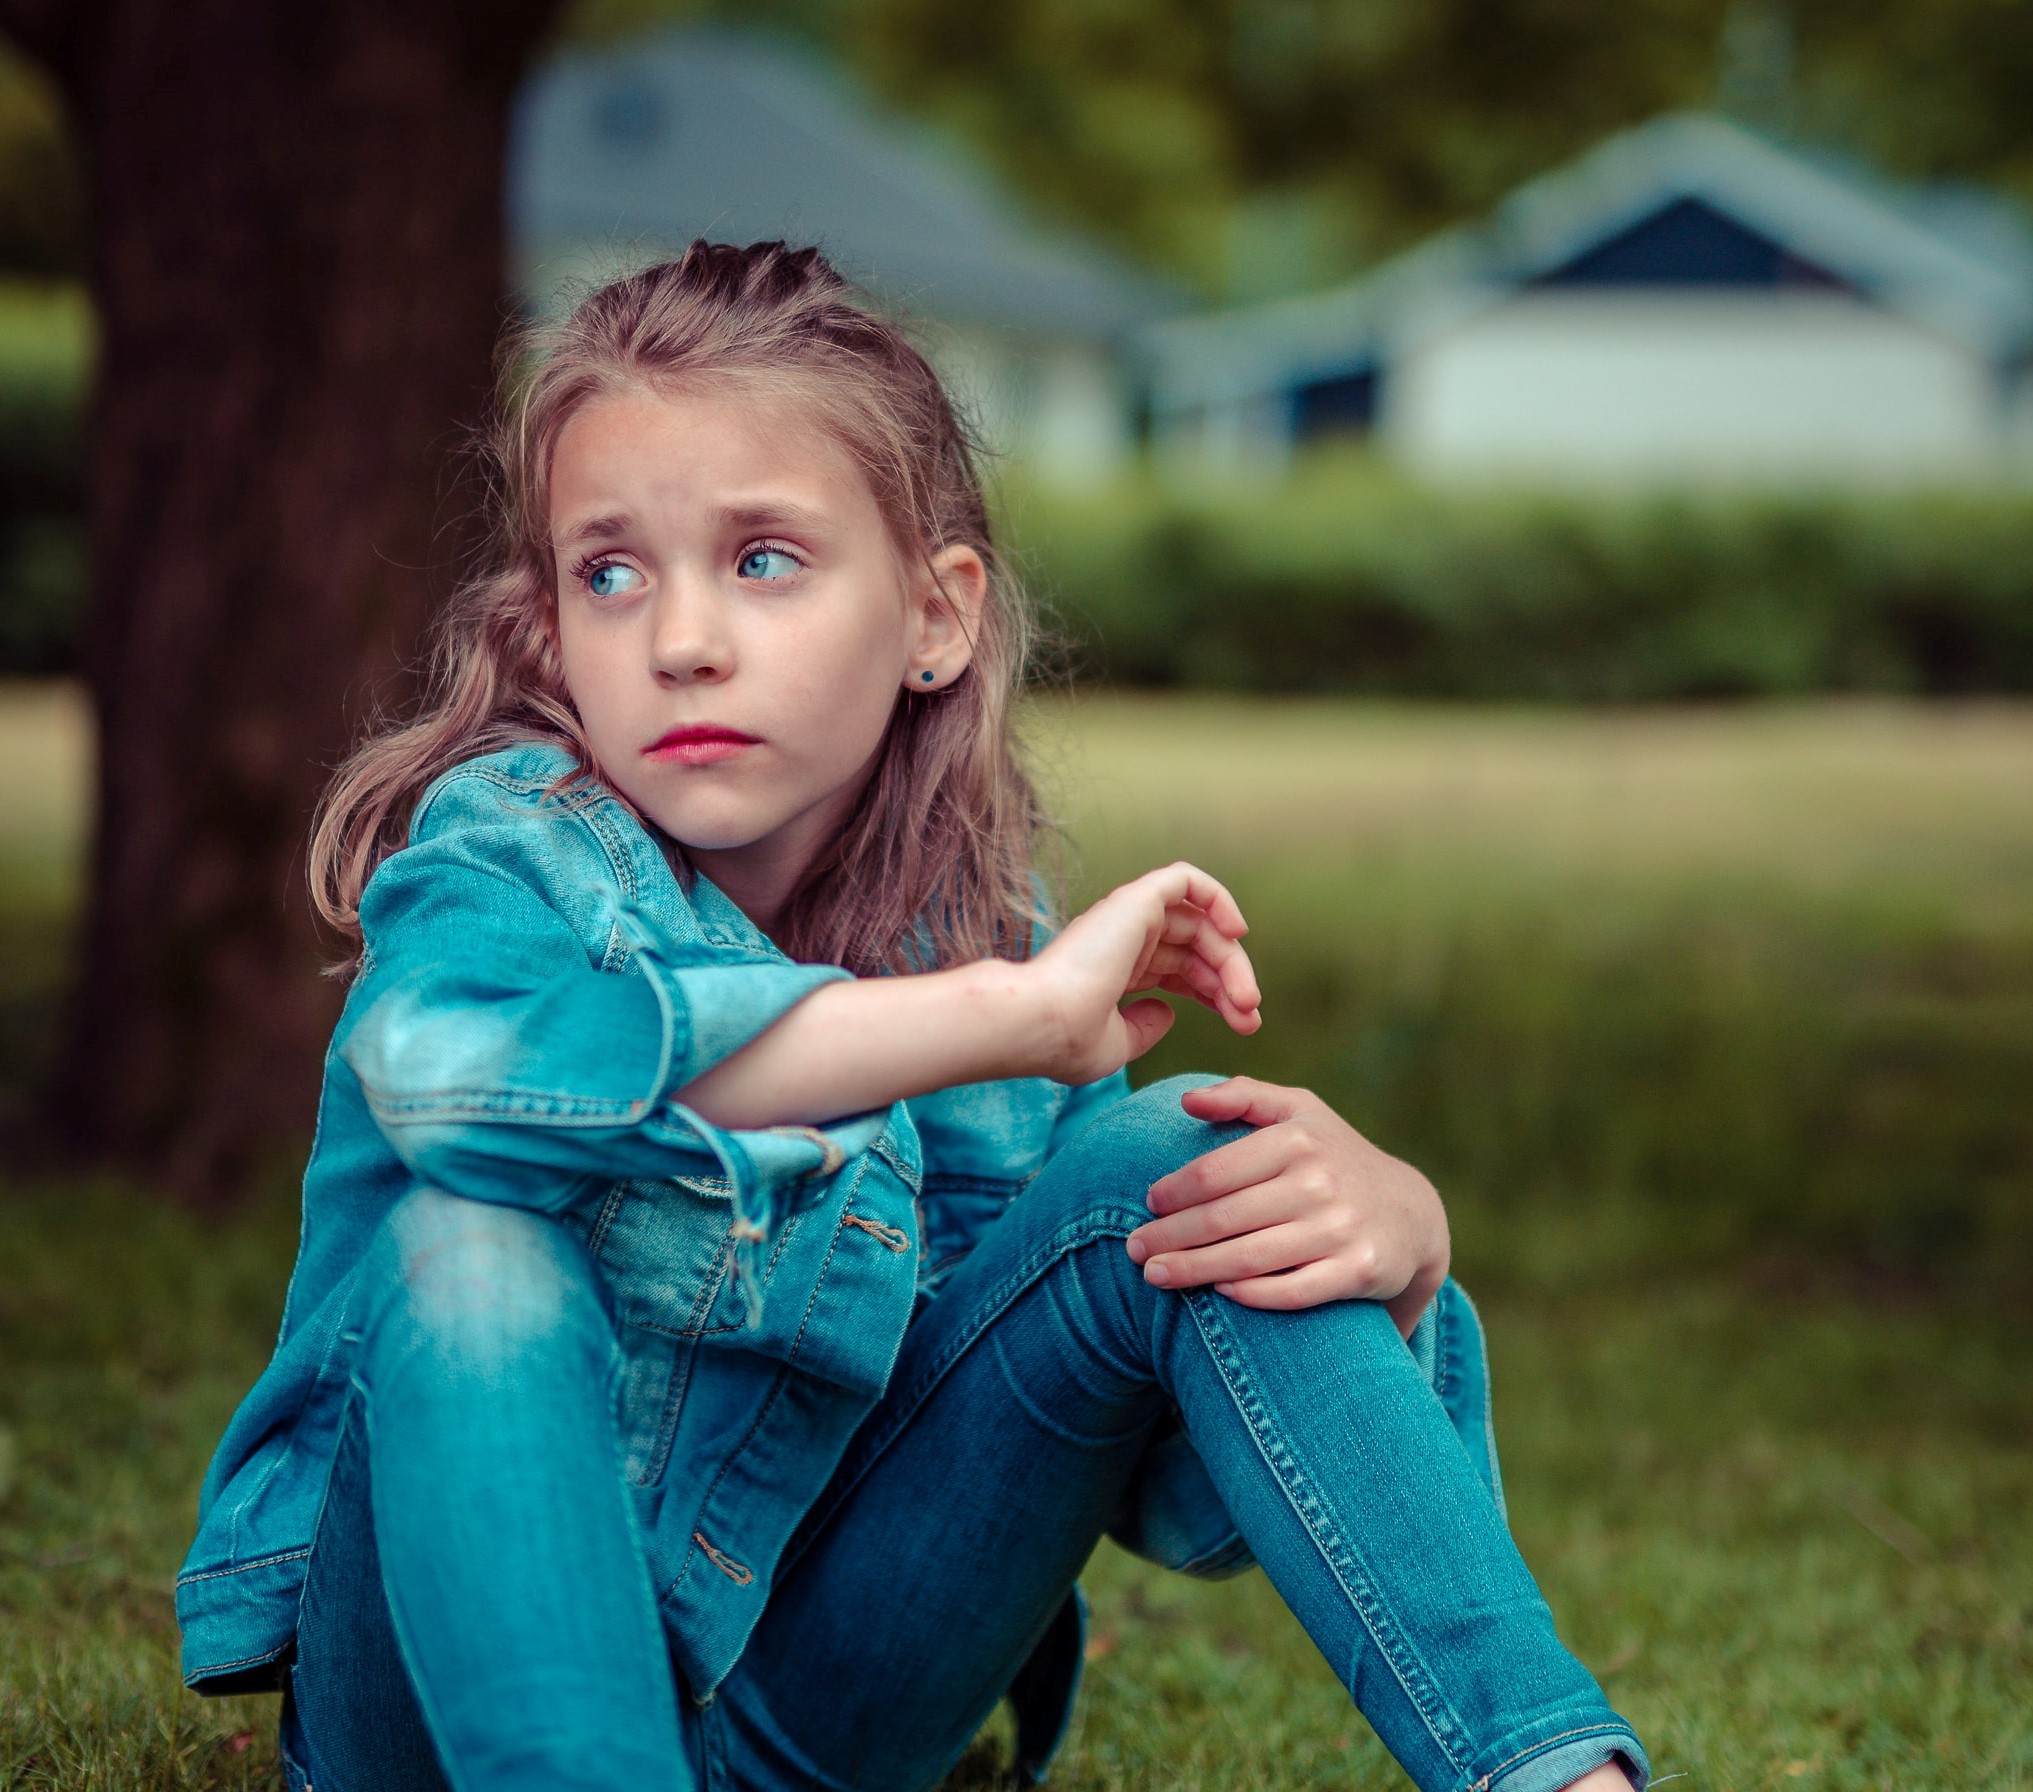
(1260, 145)
(1246, 143)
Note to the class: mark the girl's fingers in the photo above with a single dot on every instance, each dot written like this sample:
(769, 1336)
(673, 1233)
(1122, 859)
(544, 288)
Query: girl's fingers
(1243, 1098)
(1196, 987)
(1235, 1259)
(1174, 968)
(1147, 1021)
(1241, 1163)
(1168, 961)
(1311, 1285)
(1230, 962)
(1189, 927)
(1227, 1216)
(1180, 881)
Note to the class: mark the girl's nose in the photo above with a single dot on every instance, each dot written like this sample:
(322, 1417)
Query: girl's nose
(689, 642)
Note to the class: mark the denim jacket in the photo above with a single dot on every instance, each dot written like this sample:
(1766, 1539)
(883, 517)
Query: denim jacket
(535, 986)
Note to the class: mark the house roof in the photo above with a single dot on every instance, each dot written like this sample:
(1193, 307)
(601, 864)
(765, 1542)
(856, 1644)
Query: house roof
(641, 147)
(1959, 262)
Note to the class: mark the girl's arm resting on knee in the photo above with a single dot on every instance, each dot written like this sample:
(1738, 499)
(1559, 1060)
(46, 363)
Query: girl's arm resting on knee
(501, 1062)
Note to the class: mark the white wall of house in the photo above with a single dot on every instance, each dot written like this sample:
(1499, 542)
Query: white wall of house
(1080, 429)
(1637, 384)
(1247, 437)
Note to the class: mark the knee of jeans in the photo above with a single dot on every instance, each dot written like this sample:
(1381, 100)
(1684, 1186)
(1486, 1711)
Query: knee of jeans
(479, 1284)
(1111, 1164)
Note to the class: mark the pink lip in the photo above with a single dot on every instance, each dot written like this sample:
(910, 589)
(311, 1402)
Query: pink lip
(699, 745)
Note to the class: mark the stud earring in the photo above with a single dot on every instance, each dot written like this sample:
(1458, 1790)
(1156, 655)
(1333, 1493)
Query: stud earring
(927, 676)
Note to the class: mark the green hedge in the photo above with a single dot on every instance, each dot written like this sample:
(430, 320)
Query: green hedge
(1347, 580)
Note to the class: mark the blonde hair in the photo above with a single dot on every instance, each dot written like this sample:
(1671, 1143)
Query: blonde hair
(936, 864)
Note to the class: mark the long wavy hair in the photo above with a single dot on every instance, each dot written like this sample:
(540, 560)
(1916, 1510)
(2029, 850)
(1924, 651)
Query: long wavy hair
(938, 864)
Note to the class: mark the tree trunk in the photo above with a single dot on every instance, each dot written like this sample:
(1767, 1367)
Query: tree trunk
(295, 213)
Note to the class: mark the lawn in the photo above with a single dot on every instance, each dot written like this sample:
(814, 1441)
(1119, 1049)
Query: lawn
(1714, 1027)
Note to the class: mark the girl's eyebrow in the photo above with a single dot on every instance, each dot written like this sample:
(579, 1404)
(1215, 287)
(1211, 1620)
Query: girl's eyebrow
(598, 528)
(794, 519)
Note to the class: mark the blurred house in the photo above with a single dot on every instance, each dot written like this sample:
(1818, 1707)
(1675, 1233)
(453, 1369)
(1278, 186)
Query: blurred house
(623, 154)
(1687, 299)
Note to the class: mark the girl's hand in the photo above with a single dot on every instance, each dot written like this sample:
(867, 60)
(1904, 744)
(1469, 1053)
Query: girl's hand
(1304, 1210)
(1174, 929)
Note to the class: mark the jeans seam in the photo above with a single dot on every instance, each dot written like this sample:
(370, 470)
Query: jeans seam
(1540, 1747)
(1214, 1558)
(912, 1179)
(610, 1209)
(600, 826)
(269, 1561)
(1409, 1671)
(1443, 1337)
(245, 1661)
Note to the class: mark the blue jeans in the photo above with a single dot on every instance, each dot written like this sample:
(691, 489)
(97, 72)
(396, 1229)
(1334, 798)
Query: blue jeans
(478, 1613)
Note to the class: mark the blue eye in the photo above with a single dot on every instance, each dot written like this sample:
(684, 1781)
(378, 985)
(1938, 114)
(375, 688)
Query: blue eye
(768, 563)
(608, 580)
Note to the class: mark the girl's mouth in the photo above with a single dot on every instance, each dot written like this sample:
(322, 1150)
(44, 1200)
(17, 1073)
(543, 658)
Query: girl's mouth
(698, 746)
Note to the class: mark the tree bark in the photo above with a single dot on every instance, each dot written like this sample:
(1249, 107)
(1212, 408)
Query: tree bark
(295, 214)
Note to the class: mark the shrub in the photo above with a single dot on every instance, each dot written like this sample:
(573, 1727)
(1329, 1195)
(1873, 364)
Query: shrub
(1347, 580)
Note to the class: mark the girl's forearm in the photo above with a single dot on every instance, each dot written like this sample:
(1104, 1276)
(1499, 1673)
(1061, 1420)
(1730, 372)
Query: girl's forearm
(849, 1047)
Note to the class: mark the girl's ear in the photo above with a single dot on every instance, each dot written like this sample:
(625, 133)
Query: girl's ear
(946, 615)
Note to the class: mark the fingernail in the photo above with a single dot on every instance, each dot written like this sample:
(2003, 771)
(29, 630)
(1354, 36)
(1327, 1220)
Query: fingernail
(1157, 1274)
(1136, 1248)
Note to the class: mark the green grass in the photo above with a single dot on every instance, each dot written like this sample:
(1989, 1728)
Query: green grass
(1650, 992)
(1715, 1029)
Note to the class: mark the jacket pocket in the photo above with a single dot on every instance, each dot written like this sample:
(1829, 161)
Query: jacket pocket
(667, 1252)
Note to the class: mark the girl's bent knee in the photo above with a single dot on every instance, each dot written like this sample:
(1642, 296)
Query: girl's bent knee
(1103, 1177)
(1149, 1130)
(479, 1284)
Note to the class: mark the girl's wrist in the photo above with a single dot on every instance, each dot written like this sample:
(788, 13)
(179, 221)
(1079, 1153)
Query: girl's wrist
(1017, 1023)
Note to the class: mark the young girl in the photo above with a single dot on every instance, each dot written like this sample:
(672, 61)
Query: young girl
(737, 1285)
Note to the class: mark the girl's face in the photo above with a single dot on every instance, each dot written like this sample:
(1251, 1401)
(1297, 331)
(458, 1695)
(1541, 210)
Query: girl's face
(735, 626)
